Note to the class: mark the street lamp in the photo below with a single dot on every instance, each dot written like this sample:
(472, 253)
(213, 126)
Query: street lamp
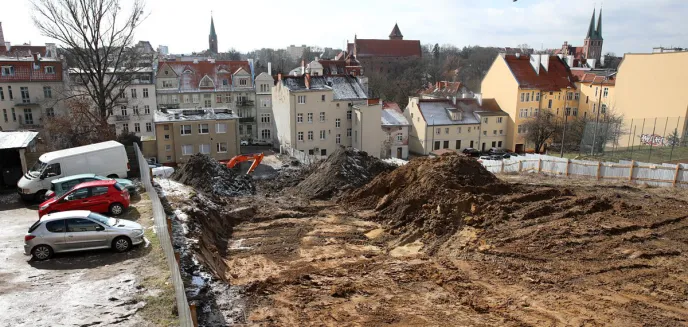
(566, 117)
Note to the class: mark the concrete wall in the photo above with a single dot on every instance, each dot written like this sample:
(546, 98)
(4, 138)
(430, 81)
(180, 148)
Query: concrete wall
(368, 136)
(170, 140)
(283, 105)
(499, 83)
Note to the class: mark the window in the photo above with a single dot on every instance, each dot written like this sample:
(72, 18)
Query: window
(469, 129)
(195, 98)
(310, 152)
(53, 170)
(322, 116)
(338, 138)
(301, 99)
(265, 118)
(501, 132)
(28, 116)
(228, 98)
(220, 128)
(125, 128)
(485, 120)
(25, 94)
(168, 147)
(2, 95)
(550, 93)
(146, 110)
(4, 114)
(605, 92)
(243, 81)
(527, 97)
(310, 117)
(603, 109)
(576, 96)
(55, 226)
(218, 98)
(499, 144)
(47, 92)
(7, 70)
(166, 128)
(494, 144)
(484, 133)
(569, 95)
(241, 129)
(76, 225)
(310, 135)
(185, 130)
(446, 131)
(438, 131)
(149, 127)
(187, 98)
(586, 99)
(208, 103)
(400, 137)
(594, 108)
(249, 129)
(549, 104)
(264, 103)
(225, 82)
(322, 98)
(458, 130)
(136, 110)
(264, 88)
(145, 92)
(568, 112)
(204, 148)
(99, 190)
(536, 111)
(458, 144)
(299, 118)
(523, 97)
(299, 136)
(123, 109)
(137, 127)
(169, 158)
(437, 145)
(348, 132)
(9, 92)
(595, 91)
(265, 134)
(537, 96)
(348, 114)
(337, 123)
(323, 152)
(520, 129)
(203, 129)
(445, 145)
(167, 136)
(133, 93)
(187, 149)
(167, 84)
(322, 134)
(499, 120)
(494, 132)
(575, 112)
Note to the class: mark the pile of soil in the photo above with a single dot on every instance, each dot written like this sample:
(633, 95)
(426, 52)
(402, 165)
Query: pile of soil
(206, 174)
(429, 198)
(343, 170)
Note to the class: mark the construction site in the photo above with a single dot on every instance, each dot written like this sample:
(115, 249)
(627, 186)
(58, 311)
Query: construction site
(355, 241)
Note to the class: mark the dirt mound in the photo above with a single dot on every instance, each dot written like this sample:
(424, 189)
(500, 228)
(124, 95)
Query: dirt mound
(429, 197)
(206, 174)
(343, 170)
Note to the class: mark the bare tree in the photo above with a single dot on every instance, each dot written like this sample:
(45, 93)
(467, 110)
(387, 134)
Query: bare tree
(80, 126)
(541, 128)
(97, 36)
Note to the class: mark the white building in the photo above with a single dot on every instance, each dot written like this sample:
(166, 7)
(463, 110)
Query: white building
(396, 132)
(266, 121)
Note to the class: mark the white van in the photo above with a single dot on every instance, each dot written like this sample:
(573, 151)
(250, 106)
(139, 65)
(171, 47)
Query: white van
(105, 159)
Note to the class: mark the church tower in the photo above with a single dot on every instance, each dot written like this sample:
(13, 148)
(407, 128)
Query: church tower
(592, 46)
(396, 33)
(212, 38)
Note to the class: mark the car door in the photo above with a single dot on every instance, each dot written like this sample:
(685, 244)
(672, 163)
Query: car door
(56, 234)
(68, 185)
(83, 233)
(75, 200)
(100, 200)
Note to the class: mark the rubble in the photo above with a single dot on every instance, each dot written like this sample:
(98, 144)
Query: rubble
(206, 174)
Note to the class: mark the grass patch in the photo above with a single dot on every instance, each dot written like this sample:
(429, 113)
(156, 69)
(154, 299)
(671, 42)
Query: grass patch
(645, 153)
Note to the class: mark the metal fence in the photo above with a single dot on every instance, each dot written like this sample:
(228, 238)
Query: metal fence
(633, 171)
(162, 230)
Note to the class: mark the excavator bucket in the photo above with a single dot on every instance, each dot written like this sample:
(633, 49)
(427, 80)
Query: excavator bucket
(256, 157)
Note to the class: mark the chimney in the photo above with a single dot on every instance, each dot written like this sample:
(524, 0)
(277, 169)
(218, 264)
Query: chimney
(518, 55)
(307, 81)
(591, 63)
(303, 67)
(35, 56)
(479, 97)
(438, 85)
(279, 77)
(316, 58)
(270, 69)
(535, 62)
(569, 60)
(454, 100)
(544, 59)
(602, 59)
(2, 37)
(561, 56)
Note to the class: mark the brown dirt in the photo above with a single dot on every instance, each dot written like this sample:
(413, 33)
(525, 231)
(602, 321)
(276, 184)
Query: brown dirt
(206, 174)
(528, 252)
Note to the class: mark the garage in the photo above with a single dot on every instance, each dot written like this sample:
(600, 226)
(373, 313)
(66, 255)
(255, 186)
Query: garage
(13, 149)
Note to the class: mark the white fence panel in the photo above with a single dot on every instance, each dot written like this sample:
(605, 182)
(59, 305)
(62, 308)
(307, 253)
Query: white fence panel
(583, 168)
(511, 165)
(653, 174)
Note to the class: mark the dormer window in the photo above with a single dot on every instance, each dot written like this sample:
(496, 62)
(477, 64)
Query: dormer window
(243, 82)
(7, 70)
(167, 72)
(225, 82)
(206, 82)
(187, 71)
(49, 70)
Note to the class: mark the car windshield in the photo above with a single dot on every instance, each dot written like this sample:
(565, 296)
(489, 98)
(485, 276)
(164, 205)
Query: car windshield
(103, 219)
(37, 168)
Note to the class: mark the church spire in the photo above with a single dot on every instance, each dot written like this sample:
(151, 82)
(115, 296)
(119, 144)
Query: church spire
(396, 33)
(212, 27)
(599, 25)
(591, 29)
(212, 38)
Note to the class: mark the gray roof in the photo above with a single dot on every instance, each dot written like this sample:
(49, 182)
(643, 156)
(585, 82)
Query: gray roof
(392, 117)
(343, 87)
(16, 140)
(436, 113)
(176, 115)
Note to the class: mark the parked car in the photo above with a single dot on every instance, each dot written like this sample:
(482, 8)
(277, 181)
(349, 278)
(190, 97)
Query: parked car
(471, 152)
(496, 151)
(64, 184)
(79, 230)
(243, 142)
(105, 158)
(98, 196)
(261, 142)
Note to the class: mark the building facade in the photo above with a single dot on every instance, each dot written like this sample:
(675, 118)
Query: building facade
(135, 112)
(265, 117)
(455, 124)
(210, 84)
(396, 132)
(181, 133)
(382, 56)
(314, 114)
(367, 135)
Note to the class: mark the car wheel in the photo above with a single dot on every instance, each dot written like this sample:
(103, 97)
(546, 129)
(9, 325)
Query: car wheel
(40, 196)
(41, 252)
(116, 209)
(121, 244)
(113, 176)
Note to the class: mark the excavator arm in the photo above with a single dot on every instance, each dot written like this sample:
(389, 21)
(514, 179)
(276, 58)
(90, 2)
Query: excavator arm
(256, 157)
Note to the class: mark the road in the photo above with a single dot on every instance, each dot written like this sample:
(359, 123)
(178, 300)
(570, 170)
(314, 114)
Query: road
(96, 288)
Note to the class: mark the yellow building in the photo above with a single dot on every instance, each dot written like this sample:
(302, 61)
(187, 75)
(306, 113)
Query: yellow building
(653, 86)
(595, 89)
(524, 85)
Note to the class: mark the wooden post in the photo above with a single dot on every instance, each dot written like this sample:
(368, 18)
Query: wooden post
(194, 317)
(678, 169)
(599, 170)
(630, 174)
(568, 162)
(502, 165)
(520, 166)
(539, 165)
(177, 257)
(169, 226)
(150, 172)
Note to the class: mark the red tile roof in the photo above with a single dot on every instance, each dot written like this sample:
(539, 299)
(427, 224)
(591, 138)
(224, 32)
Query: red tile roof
(596, 77)
(391, 106)
(387, 48)
(25, 72)
(444, 89)
(23, 50)
(217, 71)
(556, 77)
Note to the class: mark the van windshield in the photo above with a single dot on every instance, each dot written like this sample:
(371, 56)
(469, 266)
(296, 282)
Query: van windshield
(37, 168)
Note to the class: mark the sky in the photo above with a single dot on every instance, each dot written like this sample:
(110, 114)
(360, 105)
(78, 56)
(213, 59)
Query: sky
(183, 26)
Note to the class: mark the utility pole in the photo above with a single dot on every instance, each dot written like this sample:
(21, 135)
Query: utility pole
(566, 117)
(597, 117)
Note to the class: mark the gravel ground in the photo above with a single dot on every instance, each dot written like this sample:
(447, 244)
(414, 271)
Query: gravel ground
(95, 288)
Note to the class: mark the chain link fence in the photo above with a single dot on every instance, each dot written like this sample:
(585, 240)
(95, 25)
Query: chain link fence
(161, 229)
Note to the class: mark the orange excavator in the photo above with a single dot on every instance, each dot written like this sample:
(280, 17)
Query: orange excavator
(256, 157)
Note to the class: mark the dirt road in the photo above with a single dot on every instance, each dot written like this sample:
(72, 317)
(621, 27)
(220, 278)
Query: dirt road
(95, 288)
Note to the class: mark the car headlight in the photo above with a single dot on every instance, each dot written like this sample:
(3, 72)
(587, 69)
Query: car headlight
(138, 231)
(43, 207)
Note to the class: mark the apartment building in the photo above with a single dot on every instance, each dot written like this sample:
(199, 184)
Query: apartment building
(136, 106)
(381, 56)
(455, 124)
(446, 90)
(594, 92)
(29, 89)
(396, 131)
(181, 133)
(314, 114)
(210, 83)
(266, 121)
(524, 85)
(367, 134)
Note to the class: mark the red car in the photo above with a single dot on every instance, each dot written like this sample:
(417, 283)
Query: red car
(105, 196)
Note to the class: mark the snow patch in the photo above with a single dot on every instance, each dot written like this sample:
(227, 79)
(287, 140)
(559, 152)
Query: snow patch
(395, 161)
(173, 188)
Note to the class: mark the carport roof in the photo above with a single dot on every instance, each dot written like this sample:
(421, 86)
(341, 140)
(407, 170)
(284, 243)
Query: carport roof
(16, 140)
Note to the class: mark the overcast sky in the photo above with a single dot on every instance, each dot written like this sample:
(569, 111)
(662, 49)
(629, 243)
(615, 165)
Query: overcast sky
(628, 25)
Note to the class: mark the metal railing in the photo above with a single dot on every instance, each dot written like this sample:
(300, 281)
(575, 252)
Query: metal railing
(161, 229)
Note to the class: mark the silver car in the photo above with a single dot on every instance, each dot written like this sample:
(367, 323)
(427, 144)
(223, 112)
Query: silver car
(78, 230)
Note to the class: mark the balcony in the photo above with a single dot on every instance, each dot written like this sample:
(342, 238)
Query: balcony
(31, 125)
(122, 118)
(26, 102)
(247, 119)
(169, 106)
(245, 103)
